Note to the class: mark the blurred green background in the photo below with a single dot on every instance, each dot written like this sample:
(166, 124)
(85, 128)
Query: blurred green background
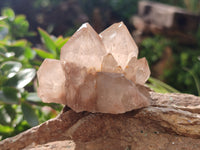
(33, 30)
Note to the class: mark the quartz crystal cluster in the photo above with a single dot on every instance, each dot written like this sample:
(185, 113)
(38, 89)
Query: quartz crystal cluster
(96, 72)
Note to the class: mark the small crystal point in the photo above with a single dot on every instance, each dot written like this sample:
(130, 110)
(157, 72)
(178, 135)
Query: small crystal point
(118, 41)
(143, 71)
(130, 70)
(51, 78)
(109, 64)
(137, 70)
(84, 48)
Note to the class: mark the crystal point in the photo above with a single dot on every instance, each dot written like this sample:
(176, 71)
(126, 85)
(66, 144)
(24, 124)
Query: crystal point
(143, 71)
(119, 43)
(51, 78)
(84, 48)
(137, 70)
(109, 64)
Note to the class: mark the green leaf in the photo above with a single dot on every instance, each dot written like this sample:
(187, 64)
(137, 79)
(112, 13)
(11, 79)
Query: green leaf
(43, 54)
(9, 13)
(20, 19)
(160, 86)
(17, 50)
(58, 40)
(3, 31)
(2, 49)
(5, 129)
(20, 43)
(62, 43)
(9, 95)
(29, 53)
(10, 68)
(5, 118)
(10, 111)
(196, 79)
(22, 78)
(2, 18)
(33, 97)
(47, 40)
(29, 114)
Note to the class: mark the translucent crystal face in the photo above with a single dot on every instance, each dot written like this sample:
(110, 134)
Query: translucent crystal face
(51, 78)
(84, 48)
(118, 41)
(96, 73)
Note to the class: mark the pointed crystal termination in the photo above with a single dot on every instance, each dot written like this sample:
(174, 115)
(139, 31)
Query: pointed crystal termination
(118, 41)
(109, 64)
(137, 70)
(84, 48)
(143, 71)
(51, 78)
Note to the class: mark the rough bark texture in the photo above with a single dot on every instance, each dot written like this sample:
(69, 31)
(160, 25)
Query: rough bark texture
(171, 122)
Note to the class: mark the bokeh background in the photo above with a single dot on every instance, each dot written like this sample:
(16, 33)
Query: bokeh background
(33, 30)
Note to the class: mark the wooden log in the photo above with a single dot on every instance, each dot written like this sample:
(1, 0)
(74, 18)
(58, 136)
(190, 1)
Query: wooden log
(169, 17)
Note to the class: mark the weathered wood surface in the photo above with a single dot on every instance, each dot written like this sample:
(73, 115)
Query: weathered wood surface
(171, 122)
(170, 21)
(166, 16)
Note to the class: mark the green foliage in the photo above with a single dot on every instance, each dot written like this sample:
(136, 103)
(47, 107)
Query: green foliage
(196, 79)
(183, 57)
(13, 26)
(122, 9)
(178, 77)
(153, 48)
(160, 87)
(20, 109)
(52, 44)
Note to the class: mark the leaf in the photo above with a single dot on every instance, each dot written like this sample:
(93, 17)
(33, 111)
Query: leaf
(9, 13)
(20, 43)
(9, 95)
(17, 50)
(22, 26)
(58, 39)
(62, 43)
(33, 97)
(160, 86)
(5, 129)
(2, 49)
(10, 68)
(3, 31)
(196, 79)
(29, 53)
(5, 119)
(48, 41)
(10, 111)
(22, 78)
(29, 114)
(20, 19)
(43, 54)
(2, 17)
